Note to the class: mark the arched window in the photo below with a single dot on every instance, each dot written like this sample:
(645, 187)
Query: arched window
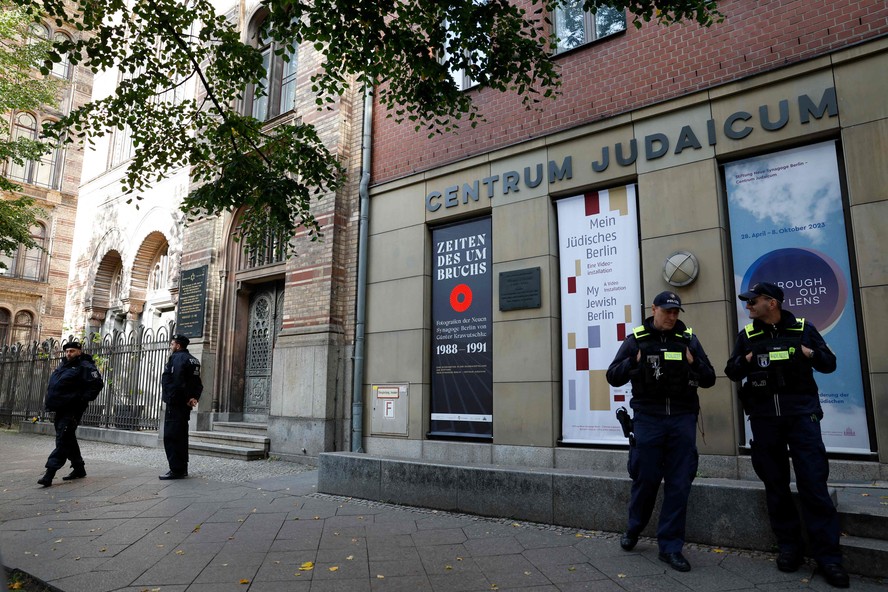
(276, 93)
(24, 126)
(61, 69)
(25, 263)
(116, 286)
(39, 33)
(32, 259)
(45, 172)
(5, 317)
(159, 277)
(22, 330)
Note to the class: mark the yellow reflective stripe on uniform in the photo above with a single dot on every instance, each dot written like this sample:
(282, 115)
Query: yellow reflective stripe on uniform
(750, 328)
(639, 332)
(672, 356)
(800, 325)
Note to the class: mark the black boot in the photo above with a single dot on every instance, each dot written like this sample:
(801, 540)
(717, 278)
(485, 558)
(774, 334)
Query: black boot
(46, 479)
(79, 472)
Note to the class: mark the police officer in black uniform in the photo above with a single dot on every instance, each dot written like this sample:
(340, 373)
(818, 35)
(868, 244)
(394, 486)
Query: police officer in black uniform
(774, 357)
(72, 386)
(666, 363)
(181, 392)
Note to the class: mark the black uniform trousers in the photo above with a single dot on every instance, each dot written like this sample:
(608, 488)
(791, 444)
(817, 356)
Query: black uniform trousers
(175, 437)
(665, 450)
(771, 436)
(66, 447)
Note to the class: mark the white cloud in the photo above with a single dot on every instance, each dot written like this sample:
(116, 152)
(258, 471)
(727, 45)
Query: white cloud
(793, 196)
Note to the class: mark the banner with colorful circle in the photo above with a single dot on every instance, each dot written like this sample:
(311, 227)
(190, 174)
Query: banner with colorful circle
(462, 336)
(788, 227)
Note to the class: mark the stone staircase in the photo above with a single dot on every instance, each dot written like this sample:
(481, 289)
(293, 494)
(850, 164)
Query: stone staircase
(239, 440)
(863, 512)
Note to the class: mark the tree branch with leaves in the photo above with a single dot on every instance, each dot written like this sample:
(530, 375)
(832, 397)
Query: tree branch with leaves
(405, 49)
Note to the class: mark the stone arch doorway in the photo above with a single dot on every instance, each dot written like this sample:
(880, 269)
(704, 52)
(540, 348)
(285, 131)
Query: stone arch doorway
(250, 320)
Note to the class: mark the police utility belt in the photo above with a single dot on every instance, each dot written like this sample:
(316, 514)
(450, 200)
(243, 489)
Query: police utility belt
(779, 361)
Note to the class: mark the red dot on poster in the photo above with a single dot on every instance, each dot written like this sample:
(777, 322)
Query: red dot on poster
(461, 298)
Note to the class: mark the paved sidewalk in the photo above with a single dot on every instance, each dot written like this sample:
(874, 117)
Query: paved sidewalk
(121, 528)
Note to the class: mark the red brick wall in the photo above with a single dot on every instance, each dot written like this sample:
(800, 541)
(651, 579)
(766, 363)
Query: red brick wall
(639, 68)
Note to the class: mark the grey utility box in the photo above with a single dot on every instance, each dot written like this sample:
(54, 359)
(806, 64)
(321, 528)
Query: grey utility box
(389, 410)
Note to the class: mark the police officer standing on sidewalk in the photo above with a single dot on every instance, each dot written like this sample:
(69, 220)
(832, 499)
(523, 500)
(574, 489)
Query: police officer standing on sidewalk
(181, 391)
(666, 363)
(72, 386)
(775, 356)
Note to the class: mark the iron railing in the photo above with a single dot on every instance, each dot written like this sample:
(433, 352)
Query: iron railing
(130, 363)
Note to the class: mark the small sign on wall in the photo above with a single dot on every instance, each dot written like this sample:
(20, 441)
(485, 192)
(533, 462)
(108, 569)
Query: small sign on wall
(520, 289)
(389, 415)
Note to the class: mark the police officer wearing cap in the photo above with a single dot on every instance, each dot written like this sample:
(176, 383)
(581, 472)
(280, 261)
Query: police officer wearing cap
(181, 392)
(774, 358)
(665, 363)
(71, 387)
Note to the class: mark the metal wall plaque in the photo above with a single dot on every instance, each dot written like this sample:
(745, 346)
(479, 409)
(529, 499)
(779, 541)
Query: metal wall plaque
(520, 289)
(192, 305)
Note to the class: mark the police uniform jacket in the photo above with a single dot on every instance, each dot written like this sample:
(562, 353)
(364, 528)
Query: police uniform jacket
(73, 385)
(779, 379)
(181, 379)
(672, 389)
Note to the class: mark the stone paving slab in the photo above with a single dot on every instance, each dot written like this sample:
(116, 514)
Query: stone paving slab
(120, 529)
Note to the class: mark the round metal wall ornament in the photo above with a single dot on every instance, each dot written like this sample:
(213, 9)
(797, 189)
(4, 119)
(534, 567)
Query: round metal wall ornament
(680, 269)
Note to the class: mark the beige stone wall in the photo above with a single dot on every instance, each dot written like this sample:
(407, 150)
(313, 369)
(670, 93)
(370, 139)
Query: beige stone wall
(864, 108)
(681, 207)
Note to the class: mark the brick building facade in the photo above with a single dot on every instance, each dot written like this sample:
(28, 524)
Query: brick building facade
(274, 335)
(659, 123)
(33, 287)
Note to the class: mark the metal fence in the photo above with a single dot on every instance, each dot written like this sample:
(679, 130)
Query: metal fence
(131, 364)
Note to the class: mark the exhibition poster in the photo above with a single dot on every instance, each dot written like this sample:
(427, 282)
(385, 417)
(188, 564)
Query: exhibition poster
(462, 323)
(600, 305)
(788, 228)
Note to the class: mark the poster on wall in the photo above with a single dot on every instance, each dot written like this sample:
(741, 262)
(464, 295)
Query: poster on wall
(600, 305)
(788, 228)
(462, 323)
